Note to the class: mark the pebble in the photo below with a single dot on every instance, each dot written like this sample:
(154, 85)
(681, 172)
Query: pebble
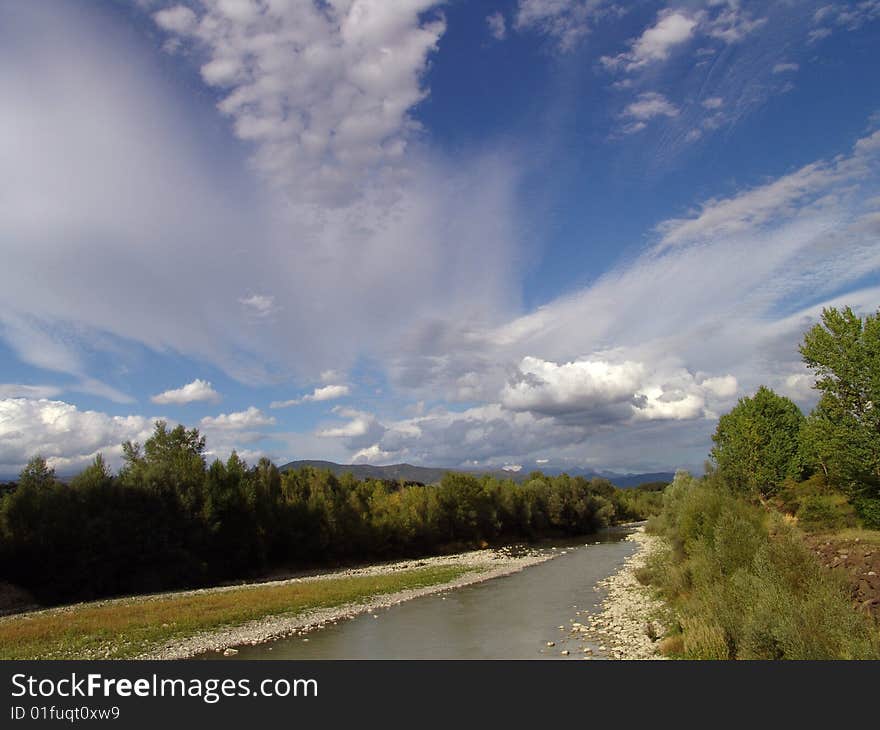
(628, 607)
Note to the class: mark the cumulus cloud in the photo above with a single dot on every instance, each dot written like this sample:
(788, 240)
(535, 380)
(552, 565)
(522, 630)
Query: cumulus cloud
(251, 418)
(197, 390)
(361, 431)
(177, 19)
(656, 43)
(647, 106)
(323, 91)
(550, 388)
(67, 437)
(323, 393)
(544, 406)
(651, 104)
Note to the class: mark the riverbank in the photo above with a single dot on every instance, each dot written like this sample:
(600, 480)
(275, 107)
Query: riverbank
(191, 623)
(631, 620)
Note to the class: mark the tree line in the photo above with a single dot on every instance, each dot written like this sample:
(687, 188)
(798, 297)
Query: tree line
(169, 519)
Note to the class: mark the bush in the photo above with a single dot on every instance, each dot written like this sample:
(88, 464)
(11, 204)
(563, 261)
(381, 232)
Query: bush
(868, 510)
(744, 584)
(826, 512)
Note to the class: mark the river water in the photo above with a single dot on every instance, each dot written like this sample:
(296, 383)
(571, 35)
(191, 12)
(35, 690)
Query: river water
(513, 617)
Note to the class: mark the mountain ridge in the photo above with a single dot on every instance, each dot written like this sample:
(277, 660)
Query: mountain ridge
(432, 475)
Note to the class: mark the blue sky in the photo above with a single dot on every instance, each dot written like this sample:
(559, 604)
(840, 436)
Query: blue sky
(535, 232)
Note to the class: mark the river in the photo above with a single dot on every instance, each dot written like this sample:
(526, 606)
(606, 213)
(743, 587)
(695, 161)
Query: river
(514, 617)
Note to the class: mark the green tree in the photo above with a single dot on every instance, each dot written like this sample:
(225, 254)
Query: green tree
(172, 463)
(36, 474)
(842, 436)
(756, 444)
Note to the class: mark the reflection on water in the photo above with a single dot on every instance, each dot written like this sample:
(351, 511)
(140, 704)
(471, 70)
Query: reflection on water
(514, 617)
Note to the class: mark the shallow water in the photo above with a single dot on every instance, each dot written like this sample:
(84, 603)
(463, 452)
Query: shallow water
(513, 617)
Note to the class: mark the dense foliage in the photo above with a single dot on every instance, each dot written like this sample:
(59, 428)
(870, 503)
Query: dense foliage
(842, 437)
(168, 519)
(756, 444)
(744, 585)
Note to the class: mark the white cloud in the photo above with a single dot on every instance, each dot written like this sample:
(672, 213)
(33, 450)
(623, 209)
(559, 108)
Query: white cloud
(544, 406)
(258, 305)
(497, 26)
(371, 455)
(650, 104)
(361, 431)
(848, 16)
(732, 24)
(713, 102)
(323, 393)
(549, 388)
(16, 390)
(323, 91)
(758, 206)
(178, 19)
(197, 390)
(328, 392)
(566, 22)
(724, 386)
(67, 437)
(718, 328)
(785, 67)
(251, 418)
(87, 104)
(672, 29)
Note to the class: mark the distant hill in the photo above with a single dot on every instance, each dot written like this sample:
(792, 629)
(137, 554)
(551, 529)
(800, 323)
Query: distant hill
(432, 475)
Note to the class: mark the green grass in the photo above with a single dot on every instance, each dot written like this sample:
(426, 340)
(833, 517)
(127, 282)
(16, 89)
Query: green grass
(868, 537)
(127, 628)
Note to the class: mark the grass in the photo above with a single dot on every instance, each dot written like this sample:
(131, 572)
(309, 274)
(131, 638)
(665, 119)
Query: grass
(851, 534)
(128, 628)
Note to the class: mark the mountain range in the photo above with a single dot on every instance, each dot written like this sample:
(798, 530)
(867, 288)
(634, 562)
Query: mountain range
(432, 475)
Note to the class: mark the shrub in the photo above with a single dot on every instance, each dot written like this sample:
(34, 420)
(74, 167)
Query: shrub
(744, 583)
(868, 510)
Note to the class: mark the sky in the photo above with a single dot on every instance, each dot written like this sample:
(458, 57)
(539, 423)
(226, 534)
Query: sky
(522, 233)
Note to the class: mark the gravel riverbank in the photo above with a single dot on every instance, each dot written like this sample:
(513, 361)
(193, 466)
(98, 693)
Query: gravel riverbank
(481, 564)
(630, 619)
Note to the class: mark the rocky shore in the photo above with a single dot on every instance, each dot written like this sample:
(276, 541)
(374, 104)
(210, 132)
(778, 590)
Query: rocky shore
(630, 619)
(482, 565)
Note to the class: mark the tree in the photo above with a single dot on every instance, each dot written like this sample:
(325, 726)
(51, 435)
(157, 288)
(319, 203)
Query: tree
(842, 436)
(756, 444)
(36, 474)
(172, 463)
